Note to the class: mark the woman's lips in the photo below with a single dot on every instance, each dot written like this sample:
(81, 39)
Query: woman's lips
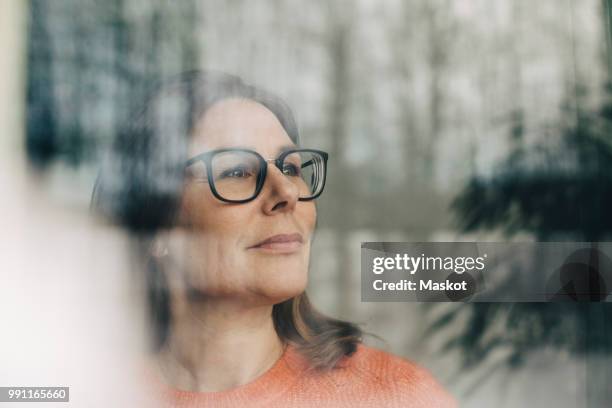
(280, 243)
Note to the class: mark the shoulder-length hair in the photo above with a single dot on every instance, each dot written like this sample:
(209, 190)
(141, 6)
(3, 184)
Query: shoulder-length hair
(139, 187)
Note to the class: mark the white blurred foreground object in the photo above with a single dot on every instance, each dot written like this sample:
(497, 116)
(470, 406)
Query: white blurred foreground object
(71, 314)
(68, 311)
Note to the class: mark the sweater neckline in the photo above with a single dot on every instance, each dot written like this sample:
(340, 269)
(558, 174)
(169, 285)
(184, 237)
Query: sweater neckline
(270, 385)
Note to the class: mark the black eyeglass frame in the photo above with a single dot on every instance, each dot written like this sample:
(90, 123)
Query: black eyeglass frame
(207, 157)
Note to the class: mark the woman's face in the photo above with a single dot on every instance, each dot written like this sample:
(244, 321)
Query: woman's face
(219, 250)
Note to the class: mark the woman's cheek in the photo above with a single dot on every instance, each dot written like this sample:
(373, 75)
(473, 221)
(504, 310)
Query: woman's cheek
(310, 217)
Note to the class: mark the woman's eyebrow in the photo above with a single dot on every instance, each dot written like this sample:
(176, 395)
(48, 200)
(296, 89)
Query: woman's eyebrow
(284, 148)
(280, 150)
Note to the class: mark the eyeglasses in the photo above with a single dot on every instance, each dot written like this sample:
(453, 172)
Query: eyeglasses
(237, 175)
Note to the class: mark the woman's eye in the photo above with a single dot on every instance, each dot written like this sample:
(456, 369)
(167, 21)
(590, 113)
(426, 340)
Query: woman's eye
(237, 172)
(291, 169)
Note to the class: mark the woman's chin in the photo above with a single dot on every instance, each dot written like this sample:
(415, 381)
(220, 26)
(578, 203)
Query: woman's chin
(278, 286)
(281, 291)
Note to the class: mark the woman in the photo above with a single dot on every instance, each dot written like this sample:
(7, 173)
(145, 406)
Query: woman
(210, 179)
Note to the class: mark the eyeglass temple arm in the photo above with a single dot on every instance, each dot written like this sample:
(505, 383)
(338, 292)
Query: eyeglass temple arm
(306, 164)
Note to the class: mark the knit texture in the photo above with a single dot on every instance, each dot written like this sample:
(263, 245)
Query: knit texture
(369, 378)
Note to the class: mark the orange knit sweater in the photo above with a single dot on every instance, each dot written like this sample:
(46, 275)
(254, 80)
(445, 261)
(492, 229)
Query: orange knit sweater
(369, 378)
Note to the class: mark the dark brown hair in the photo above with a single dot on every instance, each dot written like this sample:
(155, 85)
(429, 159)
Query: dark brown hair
(139, 188)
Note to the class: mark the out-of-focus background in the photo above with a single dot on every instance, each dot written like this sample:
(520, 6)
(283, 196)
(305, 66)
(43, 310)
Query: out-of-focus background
(445, 120)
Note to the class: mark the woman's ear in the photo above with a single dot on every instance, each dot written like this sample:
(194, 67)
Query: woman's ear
(159, 246)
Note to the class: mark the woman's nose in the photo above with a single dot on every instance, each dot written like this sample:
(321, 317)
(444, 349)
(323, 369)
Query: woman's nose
(282, 194)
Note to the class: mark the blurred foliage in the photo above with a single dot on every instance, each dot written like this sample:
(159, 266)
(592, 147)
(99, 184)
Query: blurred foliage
(558, 190)
(550, 191)
(562, 192)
